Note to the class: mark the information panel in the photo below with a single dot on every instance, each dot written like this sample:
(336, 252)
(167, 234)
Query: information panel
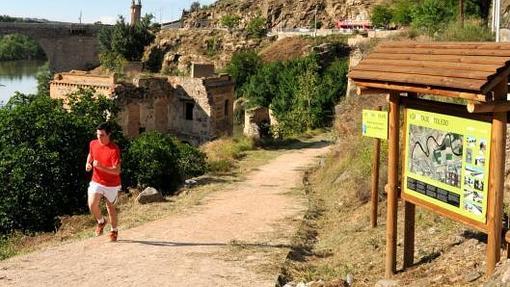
(447, 162)
(375, 124)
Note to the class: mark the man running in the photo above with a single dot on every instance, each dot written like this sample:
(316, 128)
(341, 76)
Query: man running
(104, 161)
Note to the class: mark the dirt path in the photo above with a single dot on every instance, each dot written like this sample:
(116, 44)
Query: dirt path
(236, 237)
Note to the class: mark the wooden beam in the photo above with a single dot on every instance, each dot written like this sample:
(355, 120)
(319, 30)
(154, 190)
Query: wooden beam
(364, 91)
(496, 85)
(421, 90)
(413, 79)
(397, 67)
(477, 60)
(436, 64)
(391, 216)
(460, 51)
(492, 107)
(496, 182)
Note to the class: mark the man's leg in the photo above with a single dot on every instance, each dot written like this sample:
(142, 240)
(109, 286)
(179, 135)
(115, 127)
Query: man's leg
(112, 212)
(93, 200)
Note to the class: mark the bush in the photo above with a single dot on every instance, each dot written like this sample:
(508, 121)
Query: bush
(161, 161)
(151, 160)
(472, 30)
(230, 21)
(191, 162)
(222, 153)
(257, 27)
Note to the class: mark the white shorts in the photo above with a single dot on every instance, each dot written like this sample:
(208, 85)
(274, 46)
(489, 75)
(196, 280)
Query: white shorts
(110, 192)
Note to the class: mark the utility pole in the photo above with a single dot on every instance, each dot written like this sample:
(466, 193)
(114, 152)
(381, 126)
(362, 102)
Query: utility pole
(80, 16)
(461, 2)
(315, 23)
(497, 14)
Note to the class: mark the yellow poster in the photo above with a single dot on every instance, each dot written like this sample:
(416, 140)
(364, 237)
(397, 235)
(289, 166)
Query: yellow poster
(447, 162)
(375, 124)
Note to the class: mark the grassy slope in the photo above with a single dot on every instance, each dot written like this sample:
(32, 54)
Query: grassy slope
(337, 240)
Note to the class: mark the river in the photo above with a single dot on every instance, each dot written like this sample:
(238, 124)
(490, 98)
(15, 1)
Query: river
(18, 76)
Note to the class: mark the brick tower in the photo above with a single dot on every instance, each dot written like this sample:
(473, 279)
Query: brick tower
(136, 12)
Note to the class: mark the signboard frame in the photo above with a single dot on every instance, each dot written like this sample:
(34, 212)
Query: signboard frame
(462, 185)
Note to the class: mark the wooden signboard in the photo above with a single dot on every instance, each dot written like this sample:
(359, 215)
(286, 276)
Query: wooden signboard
(446, 164)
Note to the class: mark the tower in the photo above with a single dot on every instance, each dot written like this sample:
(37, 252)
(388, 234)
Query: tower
(136, 12)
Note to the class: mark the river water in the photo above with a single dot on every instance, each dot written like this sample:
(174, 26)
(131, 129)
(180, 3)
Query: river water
(18, 76)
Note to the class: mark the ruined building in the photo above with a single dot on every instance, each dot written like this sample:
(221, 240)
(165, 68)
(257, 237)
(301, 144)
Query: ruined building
(196, 109)
(136, 12)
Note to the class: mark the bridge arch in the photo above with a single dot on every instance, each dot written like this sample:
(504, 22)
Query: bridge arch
(67, 46)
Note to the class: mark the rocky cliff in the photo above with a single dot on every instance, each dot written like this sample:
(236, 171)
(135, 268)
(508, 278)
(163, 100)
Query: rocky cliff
(282, 13)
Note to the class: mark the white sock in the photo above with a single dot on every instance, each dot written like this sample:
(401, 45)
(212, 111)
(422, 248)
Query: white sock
(115, 229)
(101, 221)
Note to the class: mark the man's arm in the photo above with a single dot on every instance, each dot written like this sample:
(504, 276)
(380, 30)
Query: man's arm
(113, 170)
(88, 164)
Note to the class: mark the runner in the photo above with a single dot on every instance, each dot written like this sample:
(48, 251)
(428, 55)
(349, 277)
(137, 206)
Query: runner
(104, 161)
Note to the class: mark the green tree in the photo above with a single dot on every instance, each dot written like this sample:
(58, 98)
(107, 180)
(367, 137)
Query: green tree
(230, 21)
(44, 76)
(381, 15)
(241, 67)
(124, 41)
(402, 12)
(195, 6)
(20, 47)
(432, 16)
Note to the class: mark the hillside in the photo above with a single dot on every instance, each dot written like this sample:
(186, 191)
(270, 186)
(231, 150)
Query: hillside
(281, 13)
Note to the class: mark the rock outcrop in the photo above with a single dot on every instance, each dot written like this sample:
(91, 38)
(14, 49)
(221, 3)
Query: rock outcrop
(282, 13)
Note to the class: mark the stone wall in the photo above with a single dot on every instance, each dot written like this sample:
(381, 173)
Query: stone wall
(194, 109)
(66, 83)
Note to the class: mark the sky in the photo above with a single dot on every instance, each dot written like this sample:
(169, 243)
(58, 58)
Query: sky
(106, 11)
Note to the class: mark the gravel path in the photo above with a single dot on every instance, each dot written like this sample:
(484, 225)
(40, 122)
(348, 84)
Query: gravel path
(236, 237)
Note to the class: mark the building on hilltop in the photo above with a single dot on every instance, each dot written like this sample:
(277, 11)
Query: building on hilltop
(136, 12)
(196, 109)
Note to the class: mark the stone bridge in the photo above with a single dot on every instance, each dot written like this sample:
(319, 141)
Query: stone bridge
(67, 45)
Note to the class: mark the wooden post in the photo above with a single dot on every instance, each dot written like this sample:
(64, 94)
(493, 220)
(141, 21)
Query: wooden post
(375, 180)
(409, 228)
(409, 208)
(495, 200)
(391, 217)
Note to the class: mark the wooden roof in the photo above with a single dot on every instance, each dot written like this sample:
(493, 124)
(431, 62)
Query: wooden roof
(455, 69)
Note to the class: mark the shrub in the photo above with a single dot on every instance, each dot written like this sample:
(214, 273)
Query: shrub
(191, 161)
(151, 160)
(161, 161)
(472, 30)
(230, 21)
(257, 27)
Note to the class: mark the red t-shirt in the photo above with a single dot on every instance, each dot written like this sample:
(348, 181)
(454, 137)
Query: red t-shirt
(107, 155)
